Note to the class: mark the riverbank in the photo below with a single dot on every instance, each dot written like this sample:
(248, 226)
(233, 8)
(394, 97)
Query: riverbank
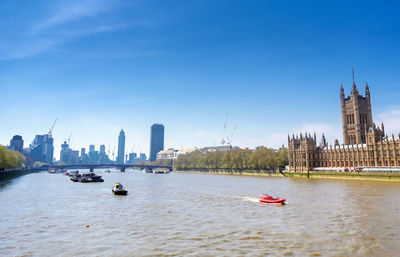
(13, 173)
(320, 175)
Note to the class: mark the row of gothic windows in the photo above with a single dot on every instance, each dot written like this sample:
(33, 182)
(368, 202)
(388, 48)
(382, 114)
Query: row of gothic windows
(350, 118)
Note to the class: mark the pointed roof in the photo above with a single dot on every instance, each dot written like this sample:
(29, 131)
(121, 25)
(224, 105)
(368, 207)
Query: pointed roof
(354, 91)
(366, 88)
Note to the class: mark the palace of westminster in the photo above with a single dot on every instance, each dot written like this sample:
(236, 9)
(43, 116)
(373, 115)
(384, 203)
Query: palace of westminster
(365, 144)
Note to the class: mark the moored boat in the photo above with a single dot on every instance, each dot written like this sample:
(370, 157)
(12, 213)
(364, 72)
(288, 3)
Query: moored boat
(118, 189)
(264, 198)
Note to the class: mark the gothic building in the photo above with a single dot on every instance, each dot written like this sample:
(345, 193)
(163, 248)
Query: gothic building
(365, 144)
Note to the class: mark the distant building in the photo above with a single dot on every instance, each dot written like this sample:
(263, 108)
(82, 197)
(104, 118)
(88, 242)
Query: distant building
(91, 148)
(42, 149)
(121, 147)
(93, 157)
(74, 157)
(156, 140)
(67, 155)
(167, 154)
(220, 148)
(17, 144)
(132, 156)
(103, 157)
(102, 149)
(143, 157)
(84, 157)
(185, 151)
(172, 154)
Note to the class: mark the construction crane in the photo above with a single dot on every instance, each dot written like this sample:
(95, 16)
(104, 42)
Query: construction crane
(113, 153)
(52, 127)
(230, 139)
(223, 134)
(69, 139)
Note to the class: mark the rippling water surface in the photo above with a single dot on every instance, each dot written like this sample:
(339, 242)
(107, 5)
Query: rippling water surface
(199, 215)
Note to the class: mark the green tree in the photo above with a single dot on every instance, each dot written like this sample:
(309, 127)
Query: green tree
(262, 158)
(11, 159)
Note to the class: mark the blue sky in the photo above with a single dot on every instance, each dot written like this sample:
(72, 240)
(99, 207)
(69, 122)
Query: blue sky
(275, 67)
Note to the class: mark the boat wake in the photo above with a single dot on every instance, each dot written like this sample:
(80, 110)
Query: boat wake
(250, 199)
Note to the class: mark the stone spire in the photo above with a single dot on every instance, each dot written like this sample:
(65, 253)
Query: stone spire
(367, 94)
(341, 91)
(354, 91)
(323, 140)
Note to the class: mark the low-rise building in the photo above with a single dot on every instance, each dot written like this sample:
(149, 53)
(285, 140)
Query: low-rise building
(167, 154)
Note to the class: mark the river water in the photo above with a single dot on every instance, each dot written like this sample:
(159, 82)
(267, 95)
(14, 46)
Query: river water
(177, 214)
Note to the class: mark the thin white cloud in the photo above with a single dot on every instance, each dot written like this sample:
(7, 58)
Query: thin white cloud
(56, 30)
(69, 11)
(68, 21)
(26, 49)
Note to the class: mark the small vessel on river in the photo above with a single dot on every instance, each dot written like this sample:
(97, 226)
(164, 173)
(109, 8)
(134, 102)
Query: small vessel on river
(90, 178)
(160, 172)
(86, 178)
(75, 177)
(71, 173)
(264, 198)
(118, 189)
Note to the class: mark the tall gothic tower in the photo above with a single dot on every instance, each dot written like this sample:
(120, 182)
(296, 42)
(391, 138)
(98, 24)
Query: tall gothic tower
(356, 115)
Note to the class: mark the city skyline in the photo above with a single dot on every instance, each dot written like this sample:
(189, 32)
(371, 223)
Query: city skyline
(134, 65)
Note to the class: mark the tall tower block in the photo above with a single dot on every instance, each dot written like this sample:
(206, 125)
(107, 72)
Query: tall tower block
(156, 140)
(356, 115)
(121, 147)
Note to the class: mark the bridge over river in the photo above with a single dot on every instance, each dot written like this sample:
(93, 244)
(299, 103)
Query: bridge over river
(121, 167)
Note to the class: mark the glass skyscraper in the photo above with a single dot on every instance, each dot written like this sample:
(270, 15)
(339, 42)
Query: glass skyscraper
(42, 148)
(17, 144)
(156, 140)
(121, 147)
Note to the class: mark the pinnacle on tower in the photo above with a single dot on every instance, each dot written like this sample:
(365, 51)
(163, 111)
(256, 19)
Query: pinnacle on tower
(354, 91)
(366, 89)
(342, 91)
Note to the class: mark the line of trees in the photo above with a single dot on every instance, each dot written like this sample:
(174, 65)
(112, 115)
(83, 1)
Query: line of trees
(237, 159)
(11, 159)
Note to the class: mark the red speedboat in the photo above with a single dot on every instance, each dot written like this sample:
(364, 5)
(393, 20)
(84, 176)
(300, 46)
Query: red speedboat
(264, 198)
